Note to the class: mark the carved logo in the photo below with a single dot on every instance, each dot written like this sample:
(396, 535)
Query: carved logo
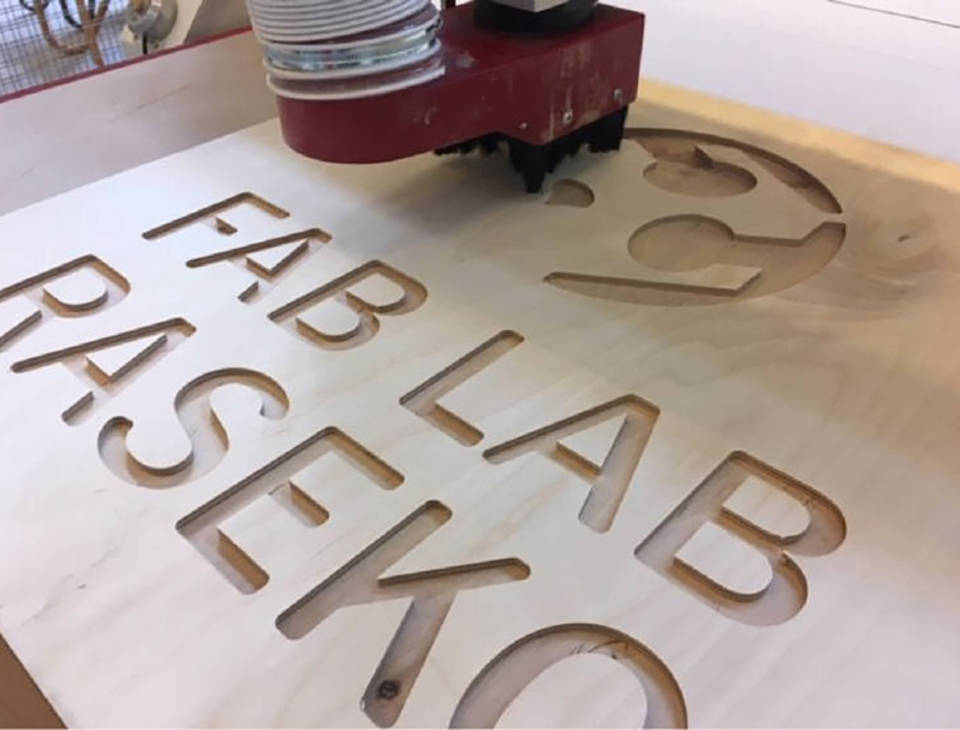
(709, 220)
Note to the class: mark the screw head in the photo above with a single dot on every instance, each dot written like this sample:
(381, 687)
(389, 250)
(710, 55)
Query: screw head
(388, 689)
(618, 95)
(568, 116)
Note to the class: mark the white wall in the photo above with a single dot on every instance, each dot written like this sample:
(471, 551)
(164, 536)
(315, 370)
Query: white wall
(879, 75)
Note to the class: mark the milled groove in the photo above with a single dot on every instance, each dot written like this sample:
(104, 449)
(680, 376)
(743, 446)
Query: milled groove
(786, 592)
(432, 592)
(422, 400)
(80, 359)
(251, 258)
(202, 526)
(38, 304)
(309, 234)
(501, 681)
(209, 440)
(368, 324)
(608, 482)
(212, 212)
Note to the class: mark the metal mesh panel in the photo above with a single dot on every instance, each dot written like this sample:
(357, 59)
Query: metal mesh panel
(35, 52)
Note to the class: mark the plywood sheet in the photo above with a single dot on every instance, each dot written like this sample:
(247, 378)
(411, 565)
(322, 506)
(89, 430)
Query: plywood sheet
(673, 443)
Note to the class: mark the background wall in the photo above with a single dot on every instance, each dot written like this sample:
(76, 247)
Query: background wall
(875, 72)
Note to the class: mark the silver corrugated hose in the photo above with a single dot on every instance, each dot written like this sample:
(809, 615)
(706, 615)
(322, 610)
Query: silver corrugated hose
(344, 49)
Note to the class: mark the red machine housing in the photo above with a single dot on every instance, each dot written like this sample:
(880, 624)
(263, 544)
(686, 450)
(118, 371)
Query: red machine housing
(535, 88)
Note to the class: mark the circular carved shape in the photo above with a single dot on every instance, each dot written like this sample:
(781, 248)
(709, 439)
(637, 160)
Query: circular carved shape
(700, 177)
(572, 193)
(681, 244)
(685, 153)
(744, 223)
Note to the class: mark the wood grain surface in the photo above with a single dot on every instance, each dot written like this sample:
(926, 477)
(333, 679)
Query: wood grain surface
(673, 443)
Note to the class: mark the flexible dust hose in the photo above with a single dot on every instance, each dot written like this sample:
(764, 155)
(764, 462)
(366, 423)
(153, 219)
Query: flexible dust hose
(346, 49)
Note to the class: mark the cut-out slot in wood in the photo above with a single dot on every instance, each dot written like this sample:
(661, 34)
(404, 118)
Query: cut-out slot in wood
(432, 593)
(108, 365)
(771, 508)
(244, 569)
(506, 676)
(79, 288)
(202, 527)
(786, 592)
(609, 481)
(597, 693)
(300, 505)
(422, 400)
(76, 292)
(221, 226)
(212, 216)
(269, 260)
(17, 316)
(728, 561)
(169, 448)
(333, 320)
(369, 290)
